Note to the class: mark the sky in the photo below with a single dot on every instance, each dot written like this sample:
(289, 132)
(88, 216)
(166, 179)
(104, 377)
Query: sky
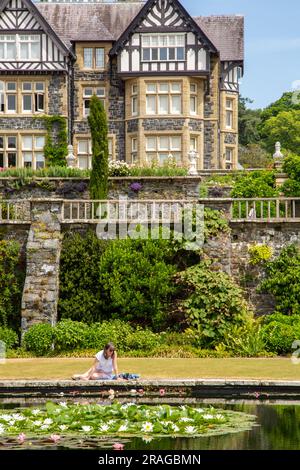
(272, 43)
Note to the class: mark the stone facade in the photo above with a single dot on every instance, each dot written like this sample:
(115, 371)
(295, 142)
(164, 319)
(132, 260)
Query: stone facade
(163, 124)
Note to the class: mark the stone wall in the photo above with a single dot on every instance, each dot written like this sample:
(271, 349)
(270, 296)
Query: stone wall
(77, 188)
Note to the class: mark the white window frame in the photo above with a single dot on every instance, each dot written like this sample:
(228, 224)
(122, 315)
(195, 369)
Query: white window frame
(93, 64)
(134, 150)
(99, 91)
(134, 100)
(193, 99)
(88, 154)
(36, 95)
(167, 42)
(229, 113)
(159, 92)
(18, 40)
(6, 151)
(158, 150)
(35, 150)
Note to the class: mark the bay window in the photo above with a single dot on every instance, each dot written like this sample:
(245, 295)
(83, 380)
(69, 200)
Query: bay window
(163, 98)
(161, 149)
(163, 47)
(134, 100)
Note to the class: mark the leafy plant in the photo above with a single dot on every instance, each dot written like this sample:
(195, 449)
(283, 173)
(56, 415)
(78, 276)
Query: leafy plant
(215, 223)
(260, 254)
(283, 280)
(10, 282)
(9, 337)
(39, 339)
(244, 341)
(70, 335)
(55, 153)
(214, 303)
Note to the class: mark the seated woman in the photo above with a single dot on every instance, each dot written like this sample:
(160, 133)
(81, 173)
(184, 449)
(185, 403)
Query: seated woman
(104, 366)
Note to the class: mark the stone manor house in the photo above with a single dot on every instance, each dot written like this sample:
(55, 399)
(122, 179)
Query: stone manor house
(169, 82)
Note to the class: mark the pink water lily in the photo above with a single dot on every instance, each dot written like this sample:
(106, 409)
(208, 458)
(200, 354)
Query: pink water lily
(162, 392)
(22, 438)
(118, 446)
(141, 391)
(55, 438)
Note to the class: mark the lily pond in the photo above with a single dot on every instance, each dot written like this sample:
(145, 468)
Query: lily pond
(137, 426)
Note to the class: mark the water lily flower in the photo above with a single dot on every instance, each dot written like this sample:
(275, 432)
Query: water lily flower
(44, 427)
(190, 430)
(37, 423)
(257, 395)
(21, 438)
(186, 420)
(123, 428)
(2, 429)
(208, 416)
(133, 392)
(219, 417)
(48, 421)
(175, 428)
(118, 446)
(147, 427)
(141, 391)
(86, 428)
(147, 439)
(111, 392)
(63, 404)
(104, 428)
(63, 427)
(162, 392)
(35, 412)
(55, 438)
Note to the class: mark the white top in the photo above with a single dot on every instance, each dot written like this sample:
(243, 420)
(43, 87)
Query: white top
(106, 365)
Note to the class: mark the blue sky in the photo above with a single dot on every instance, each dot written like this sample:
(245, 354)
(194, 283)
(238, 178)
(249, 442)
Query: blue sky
(272, 43)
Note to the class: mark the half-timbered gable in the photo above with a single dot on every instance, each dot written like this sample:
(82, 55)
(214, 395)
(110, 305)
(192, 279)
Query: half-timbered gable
(163, 38)
(27, 41)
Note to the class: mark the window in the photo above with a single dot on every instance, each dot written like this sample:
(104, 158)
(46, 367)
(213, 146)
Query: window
(33, 97)
(193, 144)
(228, 158)
(93, 58)
(88, 92)
(164, 47)
(134, 149)
(33, 151)
(163, 98)
(8, 97)
(163, 148)
(20, 47)
(84, 152)
(193, 99)
(134, 100)
(229, 113)
(8, 151)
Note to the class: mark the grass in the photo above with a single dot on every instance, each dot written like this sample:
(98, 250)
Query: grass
(157, 368)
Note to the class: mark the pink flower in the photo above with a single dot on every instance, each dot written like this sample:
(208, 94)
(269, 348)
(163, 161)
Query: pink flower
(257, 395)
(22, 438)
(141, 391)
(162, 392)
(118, 446)
(55, 438)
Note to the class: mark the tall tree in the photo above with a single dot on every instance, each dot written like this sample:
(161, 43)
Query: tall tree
(98, 124)
(249, 120)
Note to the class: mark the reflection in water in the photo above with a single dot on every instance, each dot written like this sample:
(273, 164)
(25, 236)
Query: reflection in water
(277, 428)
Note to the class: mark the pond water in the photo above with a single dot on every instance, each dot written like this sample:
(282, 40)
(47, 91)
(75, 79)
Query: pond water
(277, 427)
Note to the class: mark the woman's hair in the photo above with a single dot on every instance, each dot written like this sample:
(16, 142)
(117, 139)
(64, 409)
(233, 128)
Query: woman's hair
(109, 347)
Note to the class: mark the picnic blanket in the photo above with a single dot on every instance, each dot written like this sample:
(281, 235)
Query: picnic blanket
(127, 376)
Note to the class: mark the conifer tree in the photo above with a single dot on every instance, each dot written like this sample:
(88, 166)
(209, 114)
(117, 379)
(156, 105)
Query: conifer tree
(98, 124)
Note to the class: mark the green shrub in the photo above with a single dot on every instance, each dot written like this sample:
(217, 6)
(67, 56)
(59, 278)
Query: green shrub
(214, 303)
(9, 337)
(244, 341)
(255, 184)
(260, 254)
(11, 282)
(39, 339)
(215, 223)
(283, 280)
(279, 337)
(80, 289)
(70, 335)
(144, 340)
(136, 280)
(115, 331)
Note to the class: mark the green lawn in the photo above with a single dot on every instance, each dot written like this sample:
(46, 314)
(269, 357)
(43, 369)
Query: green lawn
(64, 368)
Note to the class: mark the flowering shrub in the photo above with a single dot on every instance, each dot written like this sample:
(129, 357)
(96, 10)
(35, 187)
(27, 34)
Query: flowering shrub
(136, 187)
(118, 168)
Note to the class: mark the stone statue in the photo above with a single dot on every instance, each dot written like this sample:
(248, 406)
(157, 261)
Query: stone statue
(278, 156)
(193, 156)
(71, 160)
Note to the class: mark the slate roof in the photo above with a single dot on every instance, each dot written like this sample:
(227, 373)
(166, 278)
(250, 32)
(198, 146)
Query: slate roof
(106, 22)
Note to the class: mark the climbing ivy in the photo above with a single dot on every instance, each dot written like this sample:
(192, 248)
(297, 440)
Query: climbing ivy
(55, 153)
